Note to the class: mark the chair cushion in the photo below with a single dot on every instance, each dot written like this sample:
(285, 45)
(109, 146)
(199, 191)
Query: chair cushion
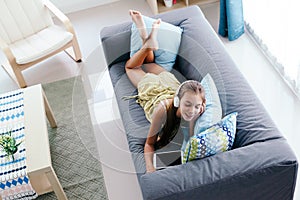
(40, 44)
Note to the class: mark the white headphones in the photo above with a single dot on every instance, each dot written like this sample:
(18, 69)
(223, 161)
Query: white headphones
(176, 100)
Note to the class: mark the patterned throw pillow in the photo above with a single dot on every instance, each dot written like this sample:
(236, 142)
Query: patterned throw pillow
(216, 139)
(169, 38)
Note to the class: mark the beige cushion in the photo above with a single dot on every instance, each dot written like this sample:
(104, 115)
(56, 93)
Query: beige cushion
(40, 44)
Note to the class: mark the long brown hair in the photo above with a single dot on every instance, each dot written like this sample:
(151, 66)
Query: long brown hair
(172, 123)
(170, 128)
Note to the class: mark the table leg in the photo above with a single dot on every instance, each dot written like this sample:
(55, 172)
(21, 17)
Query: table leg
(57, 188)
(49, 112)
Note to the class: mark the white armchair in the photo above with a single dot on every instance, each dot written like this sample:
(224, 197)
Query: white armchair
(28, 35)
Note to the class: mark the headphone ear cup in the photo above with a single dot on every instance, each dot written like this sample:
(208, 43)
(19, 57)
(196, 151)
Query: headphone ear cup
(176, 101)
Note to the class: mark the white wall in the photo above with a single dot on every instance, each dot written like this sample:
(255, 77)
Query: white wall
(68, 6)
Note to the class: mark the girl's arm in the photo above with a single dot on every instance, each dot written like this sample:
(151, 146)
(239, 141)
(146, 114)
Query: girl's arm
(158, 119)
(191, 127)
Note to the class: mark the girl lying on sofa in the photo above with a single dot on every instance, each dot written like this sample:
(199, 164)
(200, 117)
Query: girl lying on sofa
(166, 102)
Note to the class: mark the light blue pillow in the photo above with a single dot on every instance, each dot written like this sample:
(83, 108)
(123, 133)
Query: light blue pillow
(169, 38)
(213, 111)
(216, 139)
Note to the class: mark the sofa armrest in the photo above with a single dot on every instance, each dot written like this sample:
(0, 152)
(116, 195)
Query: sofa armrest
(115, 41)
(261, 169)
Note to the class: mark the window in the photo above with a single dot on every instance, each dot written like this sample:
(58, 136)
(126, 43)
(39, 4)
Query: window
(274, 25)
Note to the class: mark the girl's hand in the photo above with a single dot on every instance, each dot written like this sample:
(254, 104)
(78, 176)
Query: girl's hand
(150, 169)
(196, 117)
(200, 113)
(192, 122)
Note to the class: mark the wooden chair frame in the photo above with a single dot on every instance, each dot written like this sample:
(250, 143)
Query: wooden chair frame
(71, 48)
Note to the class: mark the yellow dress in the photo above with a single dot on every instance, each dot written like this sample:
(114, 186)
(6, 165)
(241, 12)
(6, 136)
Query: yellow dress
(153, 89)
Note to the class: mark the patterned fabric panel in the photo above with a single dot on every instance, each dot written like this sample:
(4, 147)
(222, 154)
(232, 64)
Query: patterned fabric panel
(216, 139)
(14, 183)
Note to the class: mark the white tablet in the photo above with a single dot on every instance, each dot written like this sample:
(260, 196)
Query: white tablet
(164, 159)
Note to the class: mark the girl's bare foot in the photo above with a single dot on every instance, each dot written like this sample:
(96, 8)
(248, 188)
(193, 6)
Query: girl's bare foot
(137, 18)
(151, 41)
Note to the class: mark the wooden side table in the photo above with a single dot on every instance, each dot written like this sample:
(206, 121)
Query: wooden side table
(39, 167)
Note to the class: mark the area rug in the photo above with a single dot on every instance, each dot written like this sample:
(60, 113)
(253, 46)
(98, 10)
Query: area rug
(72, 144)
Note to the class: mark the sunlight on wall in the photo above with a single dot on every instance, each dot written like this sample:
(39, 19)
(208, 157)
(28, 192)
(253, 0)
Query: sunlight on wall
(275, 26)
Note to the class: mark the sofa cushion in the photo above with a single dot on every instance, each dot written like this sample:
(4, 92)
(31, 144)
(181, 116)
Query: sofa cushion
(216, 139)
(213, 111)
(169, 38)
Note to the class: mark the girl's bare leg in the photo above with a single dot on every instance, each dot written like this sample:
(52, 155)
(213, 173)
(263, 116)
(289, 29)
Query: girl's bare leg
(153, 68)
(133, 66)
(140, 25)
(137, 18)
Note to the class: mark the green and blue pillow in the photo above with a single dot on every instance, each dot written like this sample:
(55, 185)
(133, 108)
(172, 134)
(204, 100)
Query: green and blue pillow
(216, 139)
(169, 38)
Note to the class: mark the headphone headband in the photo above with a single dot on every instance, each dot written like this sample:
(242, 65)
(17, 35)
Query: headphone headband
(176, 100)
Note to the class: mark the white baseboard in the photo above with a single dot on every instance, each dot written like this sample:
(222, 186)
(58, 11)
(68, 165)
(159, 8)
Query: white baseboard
(69, 6)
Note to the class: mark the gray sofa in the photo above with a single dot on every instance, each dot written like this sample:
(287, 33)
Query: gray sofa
(261, 164)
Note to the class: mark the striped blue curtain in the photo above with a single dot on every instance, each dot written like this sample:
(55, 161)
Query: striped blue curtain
(231, 23)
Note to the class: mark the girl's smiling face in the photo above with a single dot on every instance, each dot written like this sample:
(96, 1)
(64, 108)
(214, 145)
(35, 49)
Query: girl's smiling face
(190, 105)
